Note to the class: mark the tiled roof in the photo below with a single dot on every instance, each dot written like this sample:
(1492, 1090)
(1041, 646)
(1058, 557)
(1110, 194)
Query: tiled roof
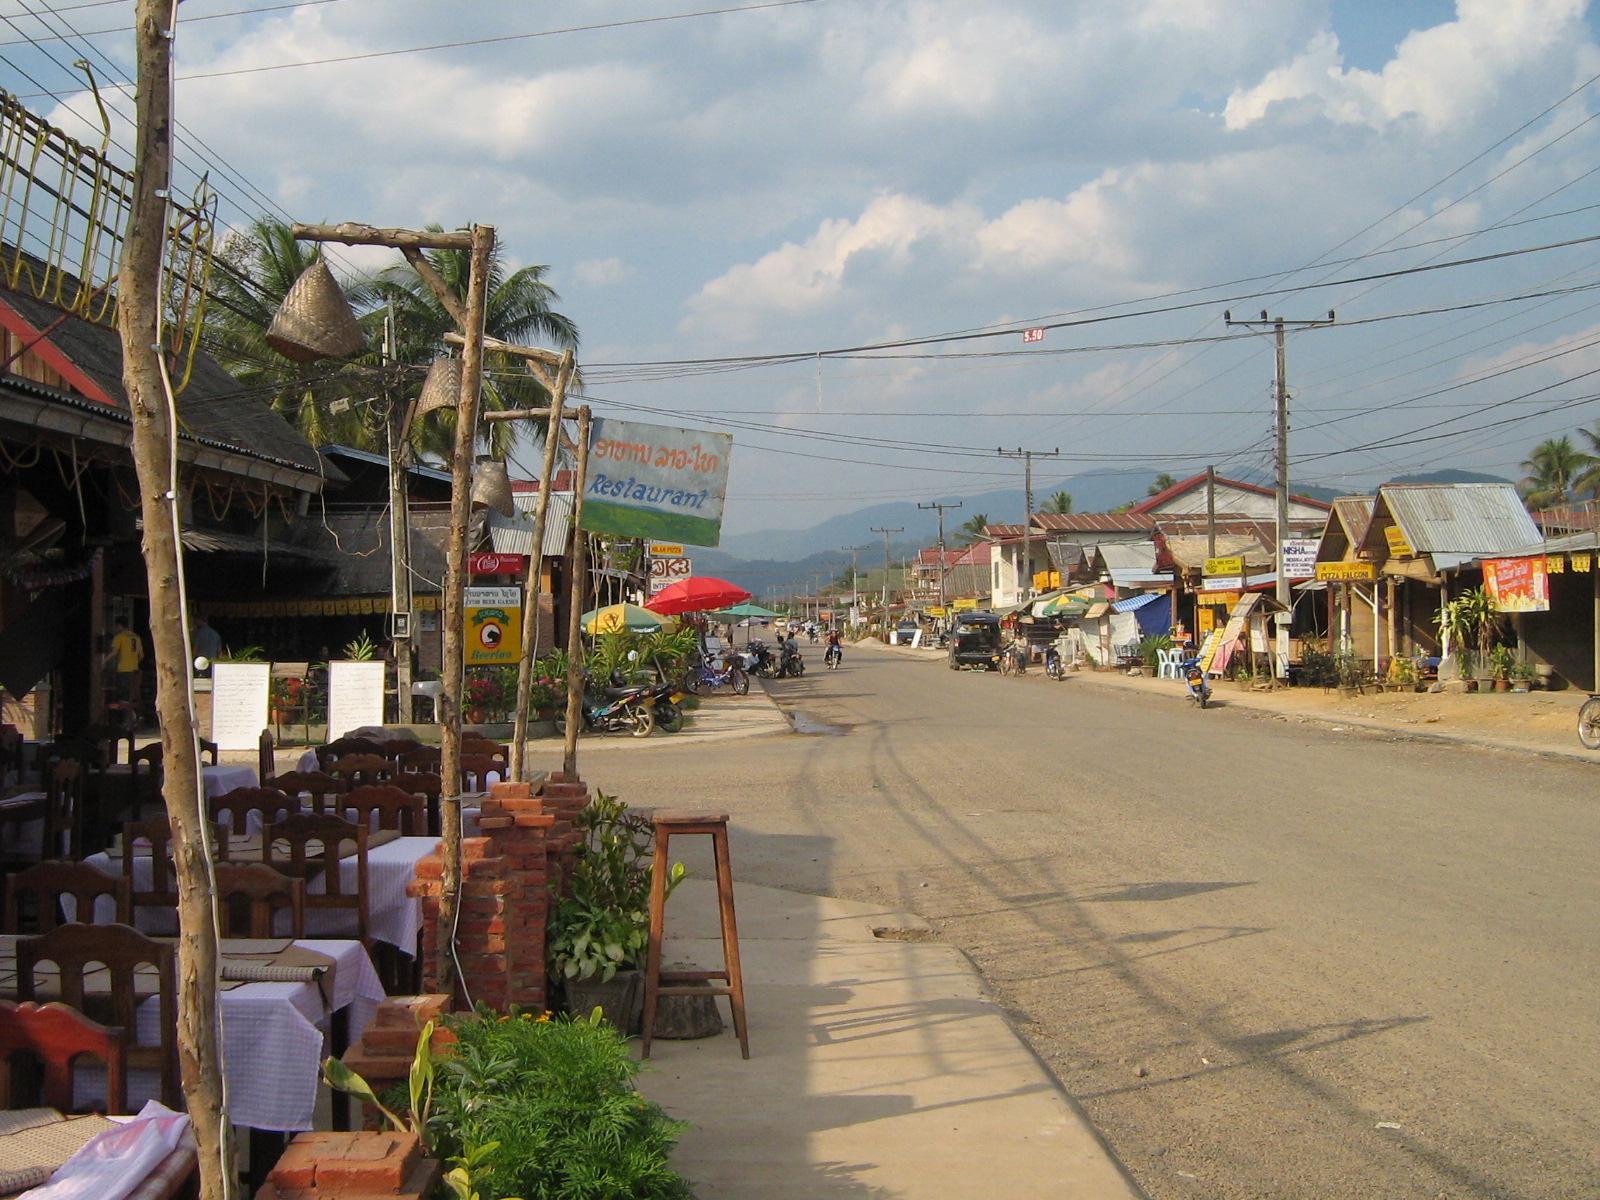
(1001, 532)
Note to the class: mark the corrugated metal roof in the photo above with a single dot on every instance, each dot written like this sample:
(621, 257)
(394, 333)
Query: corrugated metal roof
(1567, 543)
(1131, 564)
(1460, 518)
(514, 535)
(1354, 513)
(1092, 522)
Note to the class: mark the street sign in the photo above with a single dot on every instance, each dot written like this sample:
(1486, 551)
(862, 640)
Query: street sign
(665, 550)
(1032, 335)
(666, 571)
(1231, 565)
(1346, 572)
(493, 625)
(496, 564)
(1300, 558)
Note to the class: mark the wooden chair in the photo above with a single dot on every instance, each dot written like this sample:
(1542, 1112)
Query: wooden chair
(476, 767)
(58, 1036)
(266, 761)
(427, 785)
(161, 891)
(472, 743)
(76, 950)
(65, 809)
(396, 748)
(420, 758)
(144, 770)
(211, 749)
(45, 883)
(257, 893)
(395, 808)
(340, 747)
(314, 786)
(358, 769)
(110, 738)
(238, 804)
(287, 844)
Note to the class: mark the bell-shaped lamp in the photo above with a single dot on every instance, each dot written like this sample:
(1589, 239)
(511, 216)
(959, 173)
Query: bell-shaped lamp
(442, 387)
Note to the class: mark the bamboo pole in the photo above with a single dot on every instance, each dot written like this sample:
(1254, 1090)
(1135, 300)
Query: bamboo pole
(154, 428)
(577, 571)
(530, 601)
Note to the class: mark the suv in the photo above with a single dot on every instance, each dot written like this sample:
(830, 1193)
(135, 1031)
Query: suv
(975, 641)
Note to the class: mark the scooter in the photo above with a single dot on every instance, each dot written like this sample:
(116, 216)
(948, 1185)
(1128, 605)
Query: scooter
(1054, 667)
(760, 661)
(832, 657)
(1195, 680)
(790, 663)
(615, 710)
(664, 707)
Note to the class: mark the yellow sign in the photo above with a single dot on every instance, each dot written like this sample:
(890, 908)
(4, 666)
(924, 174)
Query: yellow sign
(1047, 581)
(933, 610)
(1398, 546)
(1580, 562)
(1225, 566)
(1346, 572)
(965, 605)
(665, 550)
(1555, 564)
(493, 620)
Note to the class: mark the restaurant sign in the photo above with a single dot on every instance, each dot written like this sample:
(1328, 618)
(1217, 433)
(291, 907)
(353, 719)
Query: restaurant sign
(1232, 565)
(656, 482)
(1346, 572)
(493, 620)
(1517, 584)
(1299, 558)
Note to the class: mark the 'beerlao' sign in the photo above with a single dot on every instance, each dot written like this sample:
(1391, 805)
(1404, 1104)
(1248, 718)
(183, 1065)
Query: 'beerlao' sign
(1517, 584)
(1346, 572)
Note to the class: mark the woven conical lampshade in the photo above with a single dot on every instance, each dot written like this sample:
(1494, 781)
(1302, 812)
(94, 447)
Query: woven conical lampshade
(491, 487)
(314, 321)
(442, 387)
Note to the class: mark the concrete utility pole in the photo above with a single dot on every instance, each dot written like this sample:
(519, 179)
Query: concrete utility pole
(1027, 457)
(1281, 530)
(886, 533)
(154, 418)
(855, 603)
(940, 509)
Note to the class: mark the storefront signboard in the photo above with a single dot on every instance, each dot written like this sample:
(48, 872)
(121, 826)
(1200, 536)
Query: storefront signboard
(493, 619)
(1517, 584)
(1346, 572)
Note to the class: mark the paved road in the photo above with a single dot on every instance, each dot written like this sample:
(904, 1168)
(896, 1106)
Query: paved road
(1271, 960)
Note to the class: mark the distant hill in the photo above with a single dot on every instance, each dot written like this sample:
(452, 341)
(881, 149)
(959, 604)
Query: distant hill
(1450, 475)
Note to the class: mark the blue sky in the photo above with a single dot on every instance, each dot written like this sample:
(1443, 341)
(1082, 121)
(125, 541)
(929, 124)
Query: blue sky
(804, 179)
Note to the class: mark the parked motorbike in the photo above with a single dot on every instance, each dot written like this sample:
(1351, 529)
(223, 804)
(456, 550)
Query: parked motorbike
(664, 707)
(616, 710)
(760, 660)
(1195, 680)
(791, 663)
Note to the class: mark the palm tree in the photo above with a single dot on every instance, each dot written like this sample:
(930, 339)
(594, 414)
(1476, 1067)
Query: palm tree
(255, 269)
(1061, 502)
(1587, 482)
(1552, 471)
(1162, 482)
(518, 310)
(972, 529)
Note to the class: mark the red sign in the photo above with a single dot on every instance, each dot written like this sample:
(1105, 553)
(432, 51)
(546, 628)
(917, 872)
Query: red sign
(1033, 335)
(1517, 584)
(496, 564)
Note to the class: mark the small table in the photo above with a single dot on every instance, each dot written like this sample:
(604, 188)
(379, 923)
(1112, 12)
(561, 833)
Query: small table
(224, 777)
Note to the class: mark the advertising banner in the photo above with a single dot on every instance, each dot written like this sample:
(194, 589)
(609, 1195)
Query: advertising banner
(668, 570)
(654, 481)
(493, 619)
(1300, 558)
(1517, 584)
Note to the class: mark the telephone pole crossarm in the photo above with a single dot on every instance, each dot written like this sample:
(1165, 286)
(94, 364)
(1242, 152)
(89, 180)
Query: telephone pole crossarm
(943, 568)
(1025, 584)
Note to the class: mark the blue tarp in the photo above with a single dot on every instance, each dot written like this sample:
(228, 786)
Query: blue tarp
(1152, 617)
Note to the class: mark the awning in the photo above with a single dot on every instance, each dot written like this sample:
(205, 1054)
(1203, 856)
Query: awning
(1096, 610)
(514, 535)
(1133, 603)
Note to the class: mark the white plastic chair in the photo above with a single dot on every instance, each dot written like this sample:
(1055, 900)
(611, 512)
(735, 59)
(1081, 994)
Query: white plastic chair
(1167, 663)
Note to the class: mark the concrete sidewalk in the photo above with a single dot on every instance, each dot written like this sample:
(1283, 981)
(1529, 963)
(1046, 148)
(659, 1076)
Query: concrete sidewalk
(878, 1068)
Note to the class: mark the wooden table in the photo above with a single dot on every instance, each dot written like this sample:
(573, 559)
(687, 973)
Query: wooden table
(46, 1137)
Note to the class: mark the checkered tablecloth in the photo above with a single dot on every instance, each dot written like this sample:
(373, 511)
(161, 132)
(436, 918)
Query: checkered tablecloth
(217, 780)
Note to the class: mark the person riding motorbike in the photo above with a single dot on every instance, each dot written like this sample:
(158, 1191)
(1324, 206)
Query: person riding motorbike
(834, 654)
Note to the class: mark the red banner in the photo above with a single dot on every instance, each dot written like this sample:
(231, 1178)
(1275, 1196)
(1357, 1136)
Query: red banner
(496, 564)
(1517, 584)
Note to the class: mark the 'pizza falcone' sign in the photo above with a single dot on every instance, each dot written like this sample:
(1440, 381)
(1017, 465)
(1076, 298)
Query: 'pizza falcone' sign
(493, 620)
(655, 481)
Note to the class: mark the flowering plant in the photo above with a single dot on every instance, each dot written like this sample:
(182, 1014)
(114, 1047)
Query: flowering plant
(288, 693)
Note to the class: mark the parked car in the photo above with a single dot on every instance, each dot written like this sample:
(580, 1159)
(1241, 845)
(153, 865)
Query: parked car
(975, 641)
(905, 632)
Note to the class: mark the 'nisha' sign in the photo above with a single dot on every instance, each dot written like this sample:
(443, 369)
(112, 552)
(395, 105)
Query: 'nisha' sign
(654, 481)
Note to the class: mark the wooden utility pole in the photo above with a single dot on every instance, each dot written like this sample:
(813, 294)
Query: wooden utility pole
(886, 533)
(155, 430)
(400, 616)
(855, 602)
(940, 509)
(578, 571)
(479, 243)
(1281, 455)
(1025, 588)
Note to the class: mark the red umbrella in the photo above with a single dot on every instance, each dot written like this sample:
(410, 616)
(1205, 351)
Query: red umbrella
(696, 594)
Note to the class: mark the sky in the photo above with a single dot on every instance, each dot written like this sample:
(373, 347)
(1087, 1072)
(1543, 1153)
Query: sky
(750, 212)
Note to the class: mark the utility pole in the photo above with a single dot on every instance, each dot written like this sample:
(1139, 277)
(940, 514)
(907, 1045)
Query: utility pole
(400, 630)
(855, 603)
(1027, 457)
(155, 429)
(1281, 529)
(886, 533)
(940, 509)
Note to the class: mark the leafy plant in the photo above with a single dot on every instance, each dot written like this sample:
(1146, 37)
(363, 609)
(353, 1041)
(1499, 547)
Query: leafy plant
(602, 922)
(361, 648)
(245, 654)
(1502, 659)
(1150, 647)
(1470, 621)
(287, 692)
(544, 1108)
(419, 1087)
(1349, 671)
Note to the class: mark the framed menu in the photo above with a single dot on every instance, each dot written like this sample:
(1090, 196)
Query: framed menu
(238, 704)
(355, 695)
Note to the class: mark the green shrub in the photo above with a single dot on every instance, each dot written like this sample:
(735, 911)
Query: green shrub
(544, 1109)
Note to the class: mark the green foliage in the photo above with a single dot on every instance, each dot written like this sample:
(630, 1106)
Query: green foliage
(361, 648)
(1061, 502)
(1160, 484)
(610, 653)
(667, 653)
(1150, 647)
(1501, 661)
(1472, 622)
(245, 654)
(419, 1087)
(545, 1109)
(602, 923)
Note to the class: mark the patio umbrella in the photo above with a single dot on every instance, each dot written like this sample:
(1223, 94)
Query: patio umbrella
(1065, 606)
(614, 618)
(749, 610)
(698, 593)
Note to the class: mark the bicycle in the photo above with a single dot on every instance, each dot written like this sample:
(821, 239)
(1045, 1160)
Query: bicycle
(730, 676)
(1014, 660)
(1589, 722)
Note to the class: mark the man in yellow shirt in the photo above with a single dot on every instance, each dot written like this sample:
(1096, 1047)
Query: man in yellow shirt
(124, 657)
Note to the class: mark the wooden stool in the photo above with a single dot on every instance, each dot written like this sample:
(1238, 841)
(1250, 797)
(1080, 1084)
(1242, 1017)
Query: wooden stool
(667, 823)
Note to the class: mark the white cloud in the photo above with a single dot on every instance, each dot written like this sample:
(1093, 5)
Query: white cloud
(601, 272)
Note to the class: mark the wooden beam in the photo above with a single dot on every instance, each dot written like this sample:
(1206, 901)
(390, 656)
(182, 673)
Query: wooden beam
(437, 285)
(579, 577)
(519, 414)
(353, 233)
(548, 357)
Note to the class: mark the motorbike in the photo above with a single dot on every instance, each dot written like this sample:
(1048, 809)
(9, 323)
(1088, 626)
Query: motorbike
(616, 710)
(664, 707)
(832, 657)
(760, 660)
(1195, 680)
(791, 663)
(1054, 666)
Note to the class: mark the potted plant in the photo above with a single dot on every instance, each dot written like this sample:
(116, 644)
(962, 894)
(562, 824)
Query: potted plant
(284, 697)
(482, 695)
(1522, 676)
(600, 920)
(1501, 661)
(542, 699)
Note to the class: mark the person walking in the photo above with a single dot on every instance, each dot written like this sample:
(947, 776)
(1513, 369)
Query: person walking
(124, 658)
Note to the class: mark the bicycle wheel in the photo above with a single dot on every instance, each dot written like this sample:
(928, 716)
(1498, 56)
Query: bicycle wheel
(644, 721)
(691, 682)
(739, 682)
(1589, 723)
(1007, 663)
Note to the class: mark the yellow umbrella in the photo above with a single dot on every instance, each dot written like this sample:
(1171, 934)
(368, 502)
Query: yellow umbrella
(614, 618)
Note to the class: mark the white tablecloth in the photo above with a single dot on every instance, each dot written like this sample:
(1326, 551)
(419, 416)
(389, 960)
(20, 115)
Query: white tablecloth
(227, 776)
(392, 916)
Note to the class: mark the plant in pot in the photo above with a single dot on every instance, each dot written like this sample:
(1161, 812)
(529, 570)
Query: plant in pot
(1502, 659)
(599, 922)
(1522, 676)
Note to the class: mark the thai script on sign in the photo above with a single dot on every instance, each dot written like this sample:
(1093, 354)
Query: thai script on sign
(679, 458)
(656, 482)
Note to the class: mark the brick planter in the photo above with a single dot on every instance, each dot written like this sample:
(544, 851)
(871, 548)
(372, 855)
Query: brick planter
(352, 1166)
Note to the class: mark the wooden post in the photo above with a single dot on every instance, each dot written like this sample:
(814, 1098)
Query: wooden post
(530, 601)
(453, 616)
(577, 570)
(153, 415)
(97, 625)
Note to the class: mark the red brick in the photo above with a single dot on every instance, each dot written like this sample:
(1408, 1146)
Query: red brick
(495, 822)
(431, 867)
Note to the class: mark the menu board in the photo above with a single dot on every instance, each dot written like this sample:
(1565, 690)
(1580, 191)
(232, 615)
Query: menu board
(355, 695)
(238, 704)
